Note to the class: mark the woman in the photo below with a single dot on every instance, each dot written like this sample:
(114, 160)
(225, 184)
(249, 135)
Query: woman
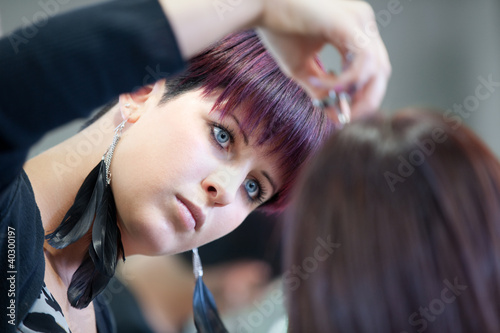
(408, 206)
(191, 161)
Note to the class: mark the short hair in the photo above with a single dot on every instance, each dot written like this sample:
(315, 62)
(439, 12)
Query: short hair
(246, 76)
(412, 204)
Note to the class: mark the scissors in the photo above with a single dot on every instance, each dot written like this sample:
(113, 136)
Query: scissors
(339, 102)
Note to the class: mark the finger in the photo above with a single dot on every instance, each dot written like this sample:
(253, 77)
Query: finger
(385, 66)
(368, 100)
(347, 60)
(358, 69)
(363, 50)
(315, 81)
(362, 68)
(372, 94)
(378, 69)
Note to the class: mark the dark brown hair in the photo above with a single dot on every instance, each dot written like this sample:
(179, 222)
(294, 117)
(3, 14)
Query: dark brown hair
(396, 228)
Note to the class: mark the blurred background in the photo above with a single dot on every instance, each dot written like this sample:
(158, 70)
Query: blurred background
(445, 54)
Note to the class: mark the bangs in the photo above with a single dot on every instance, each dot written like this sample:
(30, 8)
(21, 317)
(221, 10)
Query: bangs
(276, 111)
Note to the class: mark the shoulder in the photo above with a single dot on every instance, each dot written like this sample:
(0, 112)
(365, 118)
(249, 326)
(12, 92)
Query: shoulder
(22, 237)
(19, 211)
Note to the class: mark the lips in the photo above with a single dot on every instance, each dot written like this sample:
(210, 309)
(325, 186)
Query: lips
(195, 211)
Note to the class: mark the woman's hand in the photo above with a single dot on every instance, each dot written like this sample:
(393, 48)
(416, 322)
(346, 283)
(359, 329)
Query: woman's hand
(295, 31)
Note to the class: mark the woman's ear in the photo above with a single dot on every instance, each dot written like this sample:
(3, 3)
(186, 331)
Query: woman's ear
(132, 105)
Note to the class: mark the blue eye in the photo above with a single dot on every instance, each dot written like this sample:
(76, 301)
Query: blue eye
(221, 136)
(252, 187)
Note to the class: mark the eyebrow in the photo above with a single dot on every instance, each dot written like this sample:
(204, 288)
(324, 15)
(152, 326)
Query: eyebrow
(264, 173)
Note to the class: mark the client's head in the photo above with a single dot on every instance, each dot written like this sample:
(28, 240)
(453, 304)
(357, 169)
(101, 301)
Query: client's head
(397, 226)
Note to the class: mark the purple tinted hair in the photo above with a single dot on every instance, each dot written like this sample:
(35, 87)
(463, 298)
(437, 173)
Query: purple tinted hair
(275, 107)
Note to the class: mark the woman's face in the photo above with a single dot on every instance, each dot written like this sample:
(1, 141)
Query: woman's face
(181, 177)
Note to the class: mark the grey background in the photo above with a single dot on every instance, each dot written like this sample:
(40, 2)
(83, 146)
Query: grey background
(438, 49)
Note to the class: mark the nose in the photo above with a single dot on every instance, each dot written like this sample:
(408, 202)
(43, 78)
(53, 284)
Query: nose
(222, 186)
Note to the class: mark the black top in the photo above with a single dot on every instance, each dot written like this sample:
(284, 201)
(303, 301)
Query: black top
(50, 75)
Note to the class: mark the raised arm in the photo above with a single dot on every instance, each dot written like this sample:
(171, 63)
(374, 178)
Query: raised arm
(295, 31)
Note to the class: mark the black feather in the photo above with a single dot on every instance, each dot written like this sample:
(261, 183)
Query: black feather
(105, 235)
(206, 316)
(98, 268)
(121, 250)
(86, 284)
(79, 217)
(94, 203)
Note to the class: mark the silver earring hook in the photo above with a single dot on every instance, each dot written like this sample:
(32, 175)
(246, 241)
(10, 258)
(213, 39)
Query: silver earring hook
(108, 155)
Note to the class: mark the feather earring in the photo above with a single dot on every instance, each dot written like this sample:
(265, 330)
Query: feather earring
(206, 316)
(94, 204)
